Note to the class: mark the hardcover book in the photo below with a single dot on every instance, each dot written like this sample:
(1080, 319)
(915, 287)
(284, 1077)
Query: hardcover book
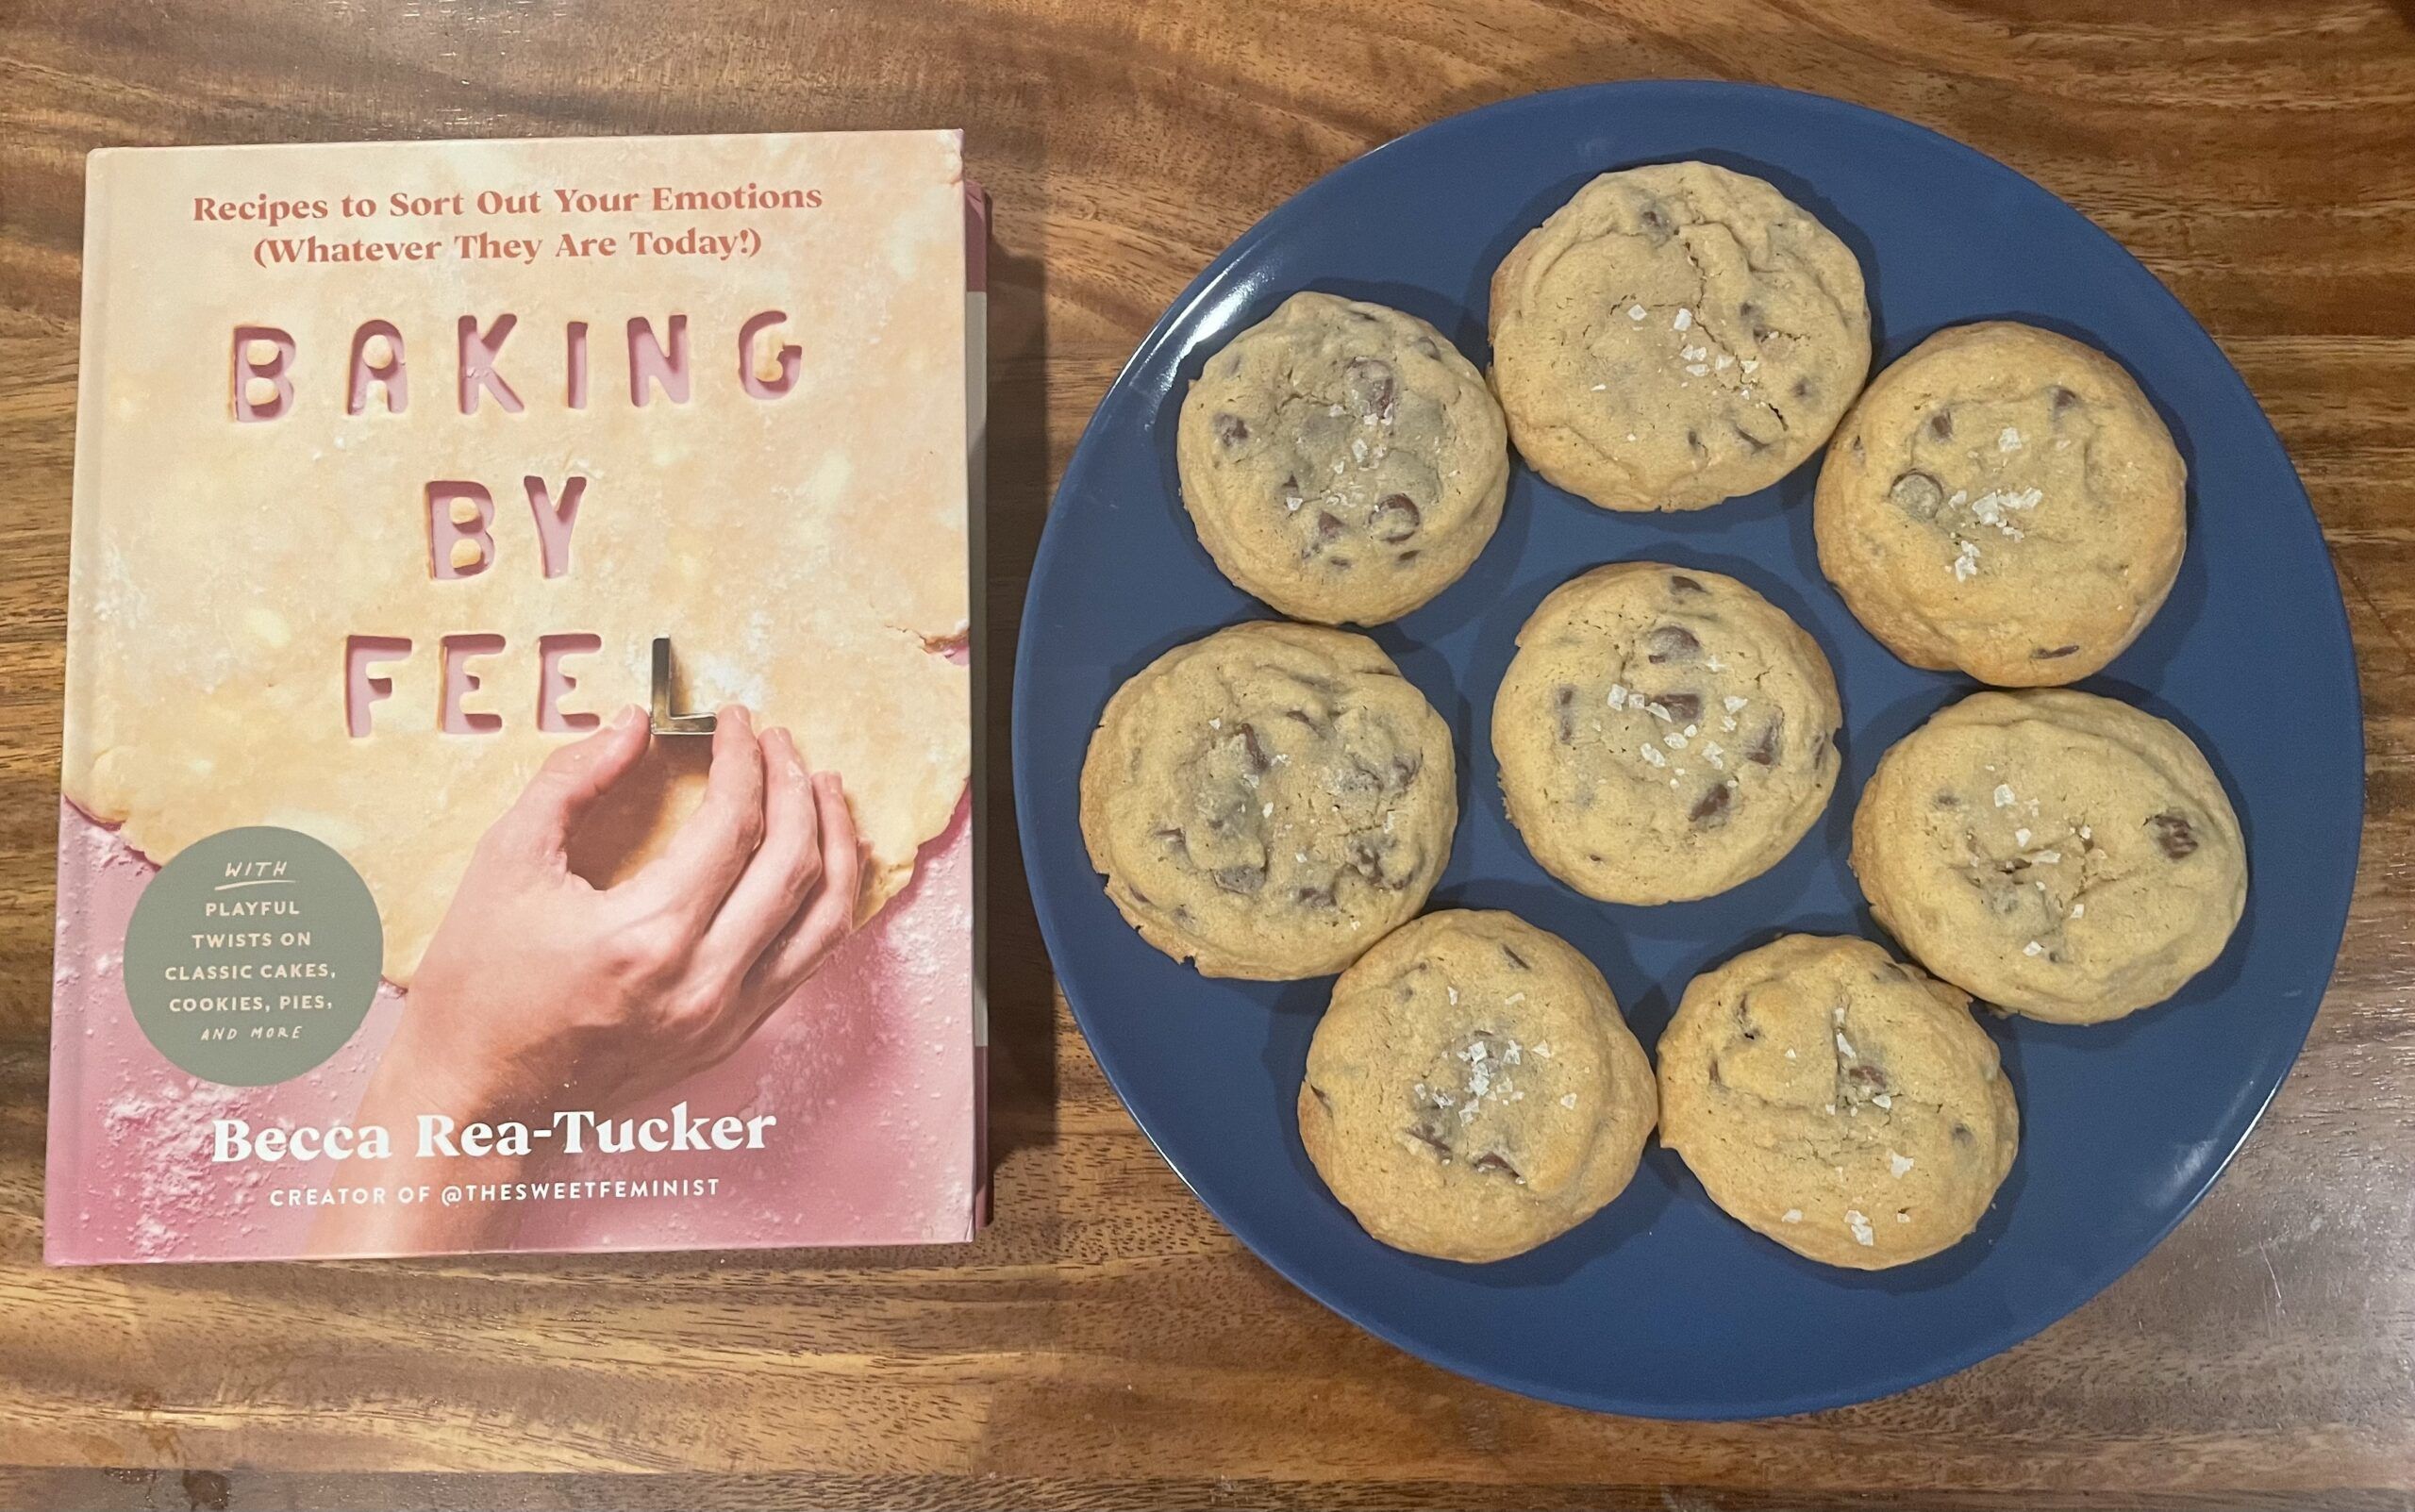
(519, 695)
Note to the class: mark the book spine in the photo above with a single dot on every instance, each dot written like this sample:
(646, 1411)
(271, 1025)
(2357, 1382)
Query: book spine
(75, 873)
(977, 386)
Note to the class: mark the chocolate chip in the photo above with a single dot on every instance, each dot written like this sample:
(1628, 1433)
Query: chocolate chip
(1406, 556)
(1917, 494)
(1683, 708)
(1768, 743)
(2041, 653)
(1366, 858)
(1251, 750)
(1711, 808)
(1232, 429)
(1318, 1093)
(1946, 800)
(1803, 388)
(1680, 583)
(1426, 349)
(2062, 399)
(1694, 439)
(2174, 834)
(1405, 768)
(1372, 855)
(1515, 959)
(1313, 897)
(1356, 780)
(1396, 518)
(1241, 879)
(1304, 716)
(1715, 1080)
(1172, 835)
(1962, 1134)
(1656, 223)
(1942, 424)
(1865, 1076)
(1670, 642)
(1338, 562)
(1749, 313)
(1753, 443)
(1492, 1160)
(1329, 526)
(1428, 1131)
(1565, 701)
(1371, 387)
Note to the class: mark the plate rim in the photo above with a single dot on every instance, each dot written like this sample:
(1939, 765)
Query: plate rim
(1179, 312)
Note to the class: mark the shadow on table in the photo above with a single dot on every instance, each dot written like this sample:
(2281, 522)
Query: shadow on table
(1023, 1018)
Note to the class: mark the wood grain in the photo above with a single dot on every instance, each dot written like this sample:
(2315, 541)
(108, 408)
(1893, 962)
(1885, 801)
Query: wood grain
(1108, 1343)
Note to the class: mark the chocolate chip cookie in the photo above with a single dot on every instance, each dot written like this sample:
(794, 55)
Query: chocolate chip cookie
(1676, 335)
(1836, 1101)
(1663, 733)
(1342, 460)
(1269, 801)
(1472, 1091)
(2005, 501)
(2057, 854)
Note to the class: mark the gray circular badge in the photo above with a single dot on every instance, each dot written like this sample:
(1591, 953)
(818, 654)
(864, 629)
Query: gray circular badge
(253, 956)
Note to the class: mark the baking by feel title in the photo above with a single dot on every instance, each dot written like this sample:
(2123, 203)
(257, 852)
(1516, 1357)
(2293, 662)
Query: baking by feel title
(462, 516)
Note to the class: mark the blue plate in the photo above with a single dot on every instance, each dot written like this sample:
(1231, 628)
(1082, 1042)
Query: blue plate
(1662, 1305)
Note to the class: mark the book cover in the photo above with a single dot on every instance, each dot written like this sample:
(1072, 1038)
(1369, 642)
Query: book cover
(519, 714)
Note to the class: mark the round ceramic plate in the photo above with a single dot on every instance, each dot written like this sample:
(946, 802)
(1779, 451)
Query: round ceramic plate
(1661, 1305)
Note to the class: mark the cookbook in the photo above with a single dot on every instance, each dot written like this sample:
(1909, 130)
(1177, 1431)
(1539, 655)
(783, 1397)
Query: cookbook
(519, 701)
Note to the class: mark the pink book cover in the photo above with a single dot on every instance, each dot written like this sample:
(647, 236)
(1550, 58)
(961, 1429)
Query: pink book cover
(519, 701)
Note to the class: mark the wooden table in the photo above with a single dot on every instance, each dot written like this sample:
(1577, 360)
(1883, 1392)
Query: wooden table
(1107, 1342)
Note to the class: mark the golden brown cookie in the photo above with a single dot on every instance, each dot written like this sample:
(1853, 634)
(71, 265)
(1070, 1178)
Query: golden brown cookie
(1663, 733)
(1342, 460)
(2056, 854)
(1269, 801)
(1676, 335)
(2005, 501)
(1836, 1101)
(1473, 1091)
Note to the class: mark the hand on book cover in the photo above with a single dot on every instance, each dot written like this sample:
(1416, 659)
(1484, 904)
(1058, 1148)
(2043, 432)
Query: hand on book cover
(541, 992)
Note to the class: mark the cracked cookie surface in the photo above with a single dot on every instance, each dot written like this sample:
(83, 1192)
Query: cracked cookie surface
(1663, 733)
(1472, 1091)
(2005, 501)
(1676, 335)
(1342, 460)
(2059, 854)
(1269, 801)
(1836, 1101)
